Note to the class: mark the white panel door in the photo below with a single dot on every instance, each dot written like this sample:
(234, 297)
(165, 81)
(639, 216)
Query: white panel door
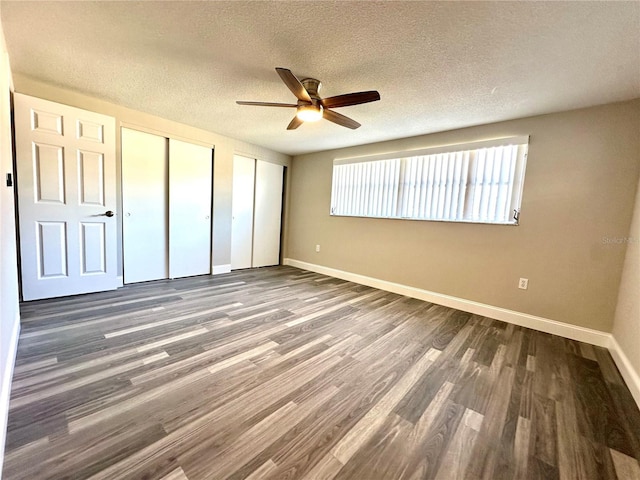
(145, 227)
(242, 212)
(66, 199)
(267, 215)
(190, 184)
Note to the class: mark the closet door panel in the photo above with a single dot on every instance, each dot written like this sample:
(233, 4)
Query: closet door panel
(268, 214)
(144, 204)
(190, 186)
(242, 212)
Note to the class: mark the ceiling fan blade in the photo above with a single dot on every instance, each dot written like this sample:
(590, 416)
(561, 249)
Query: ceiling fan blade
(294, 84)
(350, 99)
(266, 104)
(295, 123)
(340, 119)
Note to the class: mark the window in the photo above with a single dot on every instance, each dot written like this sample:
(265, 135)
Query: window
(479, 182)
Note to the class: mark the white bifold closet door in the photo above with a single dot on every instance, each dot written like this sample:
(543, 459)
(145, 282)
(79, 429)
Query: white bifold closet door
(166, 197)
(244, 170)
(256, 212)
(189, 209)
(145, 173)
(267, 214)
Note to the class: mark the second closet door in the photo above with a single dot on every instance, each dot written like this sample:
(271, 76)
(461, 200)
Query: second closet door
(189, 209)
(257, 212)
(267, 214)
(244, 172)
(144, 203)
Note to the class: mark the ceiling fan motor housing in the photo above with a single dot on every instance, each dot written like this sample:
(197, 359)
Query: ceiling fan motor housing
(312, 86)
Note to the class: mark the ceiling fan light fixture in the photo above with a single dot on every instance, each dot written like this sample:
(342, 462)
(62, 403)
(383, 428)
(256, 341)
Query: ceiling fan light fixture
(309, 113)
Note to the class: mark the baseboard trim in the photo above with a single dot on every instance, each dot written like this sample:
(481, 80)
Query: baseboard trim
(631, 377)
(219, 269)
(5, 392)
(574, 332)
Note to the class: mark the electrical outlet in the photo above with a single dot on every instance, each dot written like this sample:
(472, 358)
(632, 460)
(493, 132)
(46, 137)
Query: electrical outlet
(317, 248)
(523, 283)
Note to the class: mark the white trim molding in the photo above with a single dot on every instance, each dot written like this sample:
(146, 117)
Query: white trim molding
(5, 388)
(567, 330)
(219, 269)
(631, 377)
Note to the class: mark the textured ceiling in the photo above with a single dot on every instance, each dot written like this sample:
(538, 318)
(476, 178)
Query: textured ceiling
(437, 65)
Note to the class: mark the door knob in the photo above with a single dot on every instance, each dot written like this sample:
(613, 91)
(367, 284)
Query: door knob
(108, 213)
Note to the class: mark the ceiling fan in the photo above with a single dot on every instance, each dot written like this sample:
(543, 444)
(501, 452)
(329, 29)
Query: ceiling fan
(311, 107)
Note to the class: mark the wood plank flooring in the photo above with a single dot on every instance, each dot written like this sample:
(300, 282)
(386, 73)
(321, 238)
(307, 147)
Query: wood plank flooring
(279, 373)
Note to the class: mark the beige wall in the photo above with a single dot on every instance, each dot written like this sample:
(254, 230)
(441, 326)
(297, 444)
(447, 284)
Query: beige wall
(626, 328)
(224, 149)
(581, 178)
(9, 312)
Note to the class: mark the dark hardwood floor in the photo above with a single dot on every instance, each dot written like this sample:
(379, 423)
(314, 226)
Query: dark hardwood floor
(279, 373)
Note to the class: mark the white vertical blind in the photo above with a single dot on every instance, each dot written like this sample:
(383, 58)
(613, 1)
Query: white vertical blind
(463, 184)
(367, 189)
